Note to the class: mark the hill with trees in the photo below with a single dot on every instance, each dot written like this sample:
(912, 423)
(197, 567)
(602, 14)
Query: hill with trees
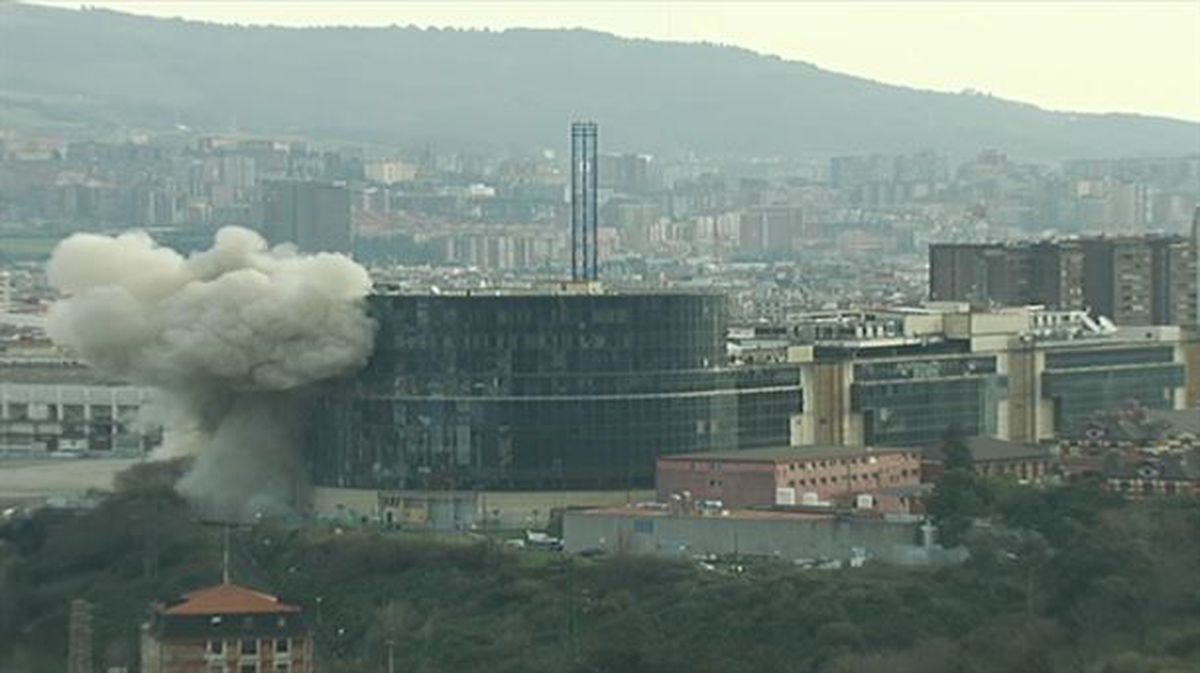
(1062, 579)
(99, 69)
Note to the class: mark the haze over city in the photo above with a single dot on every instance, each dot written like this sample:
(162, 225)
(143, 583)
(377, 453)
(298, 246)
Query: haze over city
(599, 338)
(1081, 56)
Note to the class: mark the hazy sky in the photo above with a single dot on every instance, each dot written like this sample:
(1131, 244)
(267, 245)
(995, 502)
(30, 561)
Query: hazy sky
(1089, 56)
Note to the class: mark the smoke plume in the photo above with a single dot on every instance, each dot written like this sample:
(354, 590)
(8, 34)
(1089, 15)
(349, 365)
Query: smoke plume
(231, 337)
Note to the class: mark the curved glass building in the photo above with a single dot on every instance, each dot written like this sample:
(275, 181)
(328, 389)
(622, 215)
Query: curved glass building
(543, 391)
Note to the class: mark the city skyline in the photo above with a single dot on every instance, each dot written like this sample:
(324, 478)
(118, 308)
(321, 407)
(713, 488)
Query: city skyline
(921, 45)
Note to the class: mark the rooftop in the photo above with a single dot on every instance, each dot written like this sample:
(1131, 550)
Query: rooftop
(228, 599)
(384, 288)
(742, 514)
(985, 449)
(783, 454)
(1179, 421)
(52, 371)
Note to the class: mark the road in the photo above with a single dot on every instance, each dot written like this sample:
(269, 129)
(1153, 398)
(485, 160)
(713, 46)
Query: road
(24, 480)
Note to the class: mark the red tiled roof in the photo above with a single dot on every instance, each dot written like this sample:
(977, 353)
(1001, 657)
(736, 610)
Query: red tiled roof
(228, 599)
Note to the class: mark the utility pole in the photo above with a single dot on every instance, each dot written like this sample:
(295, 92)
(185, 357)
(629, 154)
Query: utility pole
(225, 557)
(571, 608)
(391, 655)
(79, 637)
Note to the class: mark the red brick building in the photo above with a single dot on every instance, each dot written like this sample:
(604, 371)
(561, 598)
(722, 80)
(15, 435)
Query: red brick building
(793, 475)
(226, 629)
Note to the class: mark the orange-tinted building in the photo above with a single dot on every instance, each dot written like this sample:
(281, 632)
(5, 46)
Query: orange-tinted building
(227, 629)
(793, 475)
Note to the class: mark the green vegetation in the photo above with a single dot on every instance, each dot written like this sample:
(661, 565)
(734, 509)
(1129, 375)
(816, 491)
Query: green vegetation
(1064, 579)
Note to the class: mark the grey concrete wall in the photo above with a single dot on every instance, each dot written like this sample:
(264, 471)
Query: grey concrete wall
(787, 539)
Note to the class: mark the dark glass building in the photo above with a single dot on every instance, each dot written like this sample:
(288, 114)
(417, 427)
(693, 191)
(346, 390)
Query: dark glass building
(914, 402)
(543, 391)
(1084, 382)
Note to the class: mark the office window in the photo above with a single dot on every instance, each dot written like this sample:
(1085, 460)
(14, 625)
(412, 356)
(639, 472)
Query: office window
(216, 647)
(282, 645)
(283, 667)
(250, 646)
(248, 668)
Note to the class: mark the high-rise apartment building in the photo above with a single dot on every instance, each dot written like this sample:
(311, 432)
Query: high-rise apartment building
(1175, 265)
(625, 173)
(771, 228)
(1143, 280)
(1119, 279)
(314, 215)
(1132, 280)
(991, 273)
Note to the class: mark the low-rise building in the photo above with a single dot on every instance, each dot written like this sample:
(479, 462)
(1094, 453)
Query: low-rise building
(993, 457)
(833, 538)
(1138, 452)
(1143, 474)
(904, 376)
(227, 629)
(786, 475)
(57, 405)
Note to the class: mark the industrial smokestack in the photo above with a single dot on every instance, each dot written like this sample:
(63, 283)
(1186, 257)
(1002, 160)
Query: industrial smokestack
(585, 222)
(231, 337)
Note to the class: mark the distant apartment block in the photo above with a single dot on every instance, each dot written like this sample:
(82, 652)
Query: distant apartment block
(314, 215)
(777, 229)
(625, 173)
(983, 274)
(1131, 280)
(389, 172)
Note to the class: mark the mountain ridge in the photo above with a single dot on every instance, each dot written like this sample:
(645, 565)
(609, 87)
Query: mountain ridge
(519, 86)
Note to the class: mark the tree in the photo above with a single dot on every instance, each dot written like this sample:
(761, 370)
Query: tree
(958, 499)
(956, 455)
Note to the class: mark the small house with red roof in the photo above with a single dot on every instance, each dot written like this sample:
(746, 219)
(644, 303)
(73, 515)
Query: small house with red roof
(226, 629)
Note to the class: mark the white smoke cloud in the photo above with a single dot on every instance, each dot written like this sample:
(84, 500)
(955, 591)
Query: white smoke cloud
(231, 336)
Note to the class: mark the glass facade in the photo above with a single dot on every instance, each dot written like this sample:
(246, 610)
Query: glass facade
(912, 402)
(1084, 382)
(543, 391)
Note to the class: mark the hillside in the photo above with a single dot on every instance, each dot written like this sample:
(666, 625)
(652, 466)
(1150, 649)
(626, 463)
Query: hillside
(512, 88)
(1086, 583)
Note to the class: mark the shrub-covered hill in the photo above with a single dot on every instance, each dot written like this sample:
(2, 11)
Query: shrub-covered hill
(1088, 585)
(103, 69)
